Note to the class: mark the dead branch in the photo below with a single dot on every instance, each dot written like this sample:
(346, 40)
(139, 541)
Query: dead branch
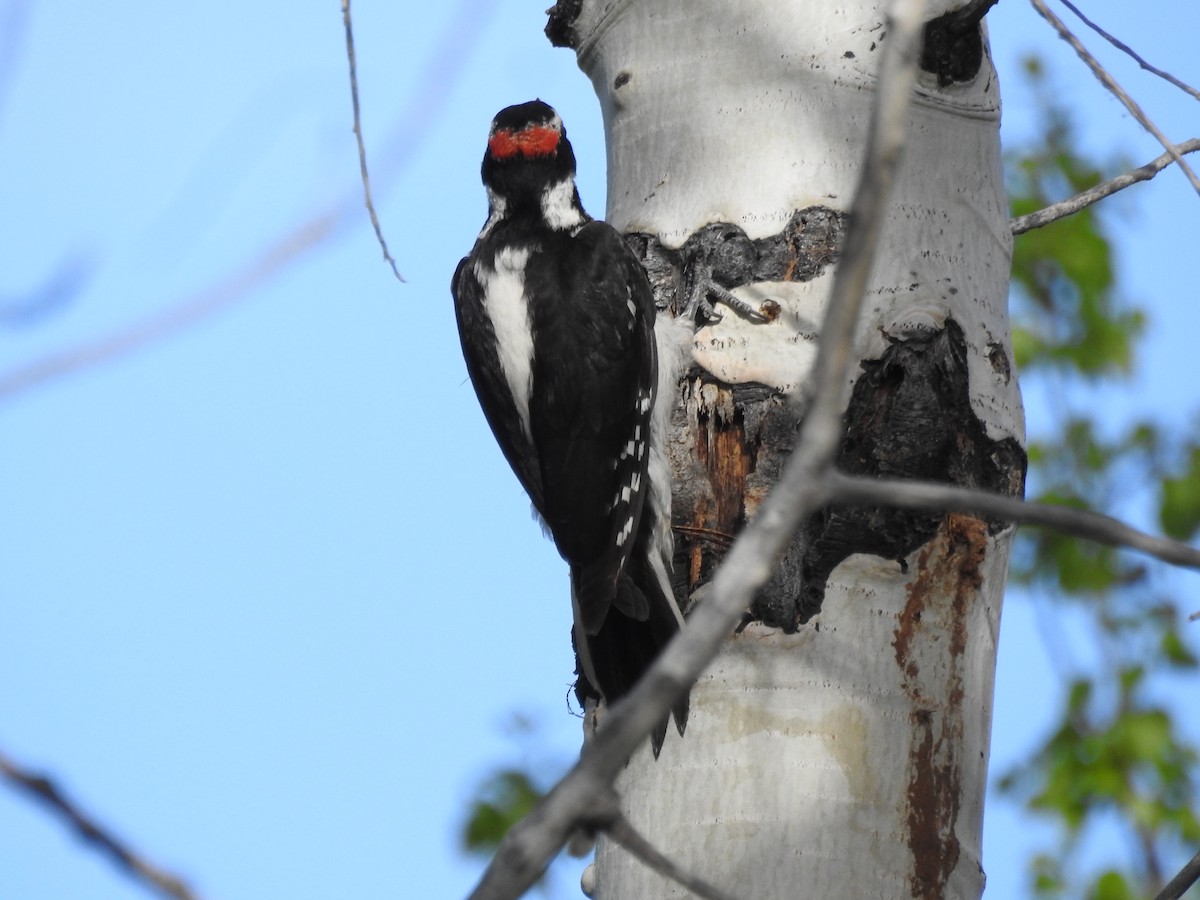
(1080, 523)
(358, 137)
(1072, 205)
(1115, 89)
(1187, 876)
(621, 831)
(438, 78)
(1126, 49)
(130, 861)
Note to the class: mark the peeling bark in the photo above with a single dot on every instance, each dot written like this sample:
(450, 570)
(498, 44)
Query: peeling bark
(909, 416)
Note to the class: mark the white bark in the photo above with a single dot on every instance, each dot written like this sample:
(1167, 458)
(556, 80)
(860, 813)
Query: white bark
(849, 759)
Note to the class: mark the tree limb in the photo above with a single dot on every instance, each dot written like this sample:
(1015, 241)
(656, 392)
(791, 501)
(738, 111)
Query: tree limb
(532, 843)
(132, 862)
(1115, 89)
(1126, 49)
(621, 831)
(358, 137)
(1072, 205)
(1080, 523)
(429, 92)
(1187, 876)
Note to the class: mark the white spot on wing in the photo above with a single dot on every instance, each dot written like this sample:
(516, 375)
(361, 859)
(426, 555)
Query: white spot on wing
(626, 530)
(507, 306)
(558, 206)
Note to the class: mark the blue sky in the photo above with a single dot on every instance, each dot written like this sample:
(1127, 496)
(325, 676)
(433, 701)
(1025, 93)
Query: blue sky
(268, 592)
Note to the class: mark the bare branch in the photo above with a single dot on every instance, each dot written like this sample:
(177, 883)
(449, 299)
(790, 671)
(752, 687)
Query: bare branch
(1115, 89)
(133, 863)
(628, 837)
(1072, 205)
(438, 78)
(532, 843)
(358, 137)
(1076, 522)
(1187, 876)
(1125, 48)
(175, 318)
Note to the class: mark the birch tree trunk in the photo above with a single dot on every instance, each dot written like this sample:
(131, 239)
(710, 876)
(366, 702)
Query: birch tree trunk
(838, 746)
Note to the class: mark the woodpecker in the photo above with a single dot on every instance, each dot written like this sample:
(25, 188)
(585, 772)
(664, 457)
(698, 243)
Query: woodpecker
(556, 319)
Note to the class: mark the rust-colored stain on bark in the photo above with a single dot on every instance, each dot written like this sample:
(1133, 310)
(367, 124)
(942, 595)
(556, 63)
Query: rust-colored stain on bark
(932, 627)
(724, 455)
(727, 459)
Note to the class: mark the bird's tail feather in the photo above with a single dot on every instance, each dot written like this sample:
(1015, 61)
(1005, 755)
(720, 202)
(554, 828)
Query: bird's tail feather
(612, 660)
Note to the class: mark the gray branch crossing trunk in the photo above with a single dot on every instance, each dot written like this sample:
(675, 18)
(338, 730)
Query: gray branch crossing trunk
(838, 746)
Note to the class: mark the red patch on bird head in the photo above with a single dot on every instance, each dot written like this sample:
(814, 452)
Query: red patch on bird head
(534, 141)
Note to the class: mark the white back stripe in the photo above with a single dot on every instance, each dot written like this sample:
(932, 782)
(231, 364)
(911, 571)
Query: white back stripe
(507, 307)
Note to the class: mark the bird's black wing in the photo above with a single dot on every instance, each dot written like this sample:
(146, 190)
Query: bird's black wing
(591, 408)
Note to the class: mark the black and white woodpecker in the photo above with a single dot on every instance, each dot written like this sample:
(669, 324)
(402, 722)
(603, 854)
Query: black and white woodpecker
(556, 318)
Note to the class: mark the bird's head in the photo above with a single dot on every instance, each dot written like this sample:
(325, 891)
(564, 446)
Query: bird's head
(527, 154)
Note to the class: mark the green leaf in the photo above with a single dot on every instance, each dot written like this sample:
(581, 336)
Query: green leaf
(1176, 652)
(1179, 507)
(1113, 886)
(502, 801)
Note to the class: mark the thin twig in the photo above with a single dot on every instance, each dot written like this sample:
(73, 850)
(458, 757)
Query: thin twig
(440, 74)
(846, 489)
(708, 534)
(628, 837)
(1115, 89)
(1125, 48)
(358, 136)
(1187, 876)
(132, 862)
(530, 845)
(1072, 205)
